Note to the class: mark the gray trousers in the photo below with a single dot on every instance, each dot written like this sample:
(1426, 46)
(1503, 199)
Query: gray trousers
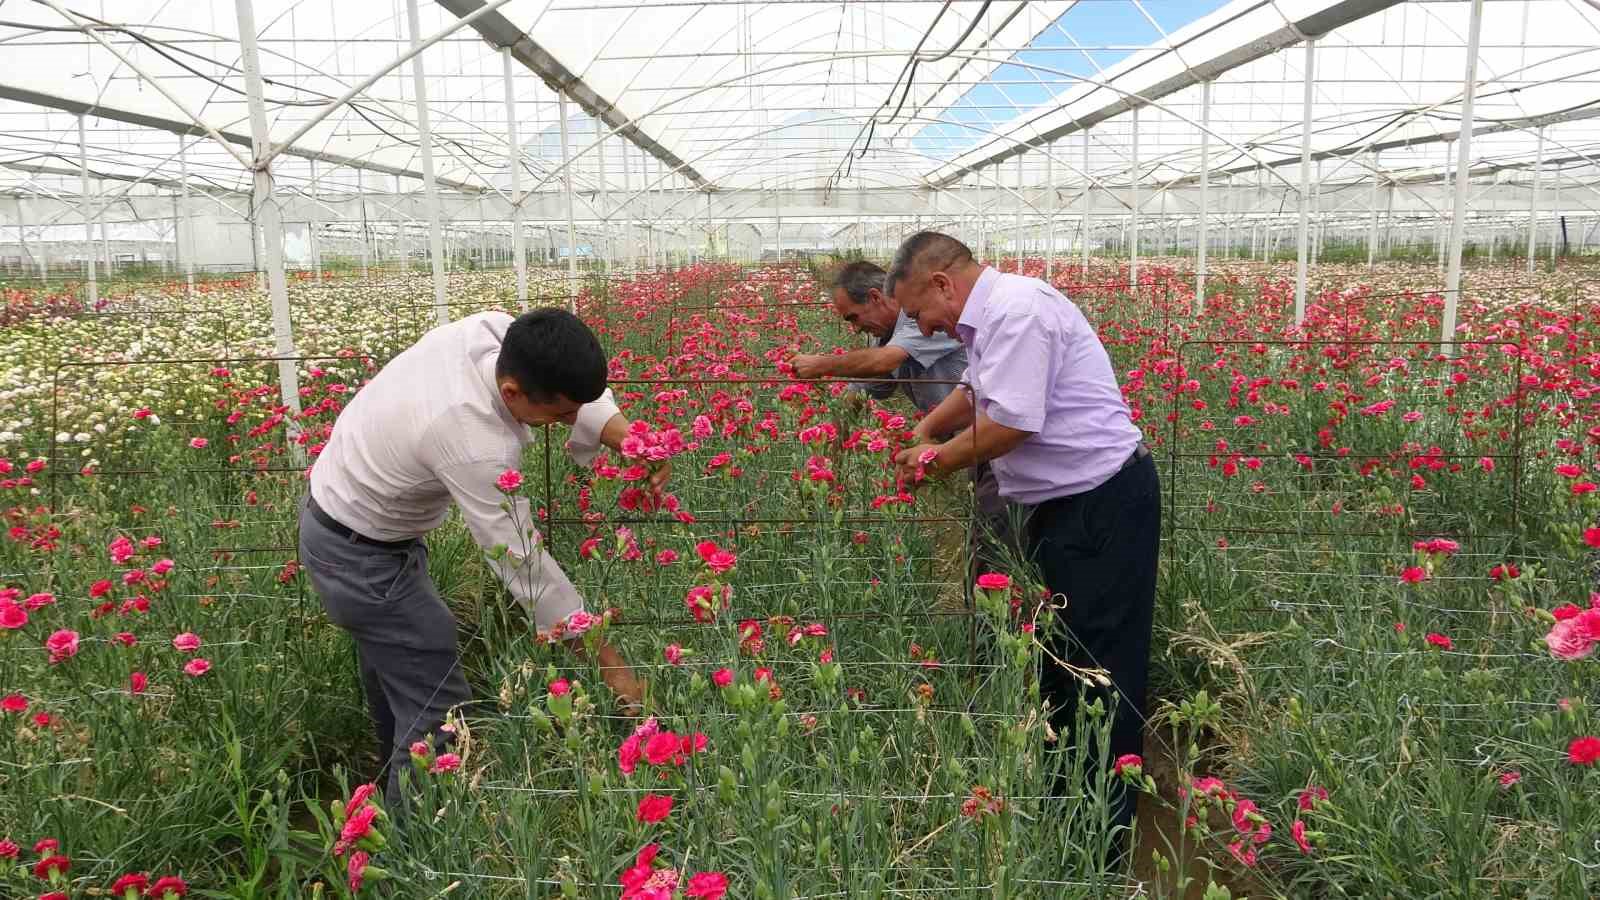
(404, 634)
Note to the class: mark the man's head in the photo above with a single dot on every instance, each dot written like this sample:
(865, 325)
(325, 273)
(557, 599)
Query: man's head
(550, 364)
(930, 278)
(859, 299)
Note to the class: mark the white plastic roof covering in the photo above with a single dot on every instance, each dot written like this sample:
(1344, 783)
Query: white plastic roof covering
(778, 93)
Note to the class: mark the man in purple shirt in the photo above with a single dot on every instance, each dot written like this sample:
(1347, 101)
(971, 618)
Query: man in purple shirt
(1047, 411)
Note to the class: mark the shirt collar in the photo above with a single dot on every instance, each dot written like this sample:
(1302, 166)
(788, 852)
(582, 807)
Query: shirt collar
(491, 385)
(972, 312)
(900, 320)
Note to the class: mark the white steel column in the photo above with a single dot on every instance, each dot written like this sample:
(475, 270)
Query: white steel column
(366, 230)
(313, 240)
(88, 220)
(1372, 230)
(1555, 212)
(1088, 202)
(105, 236)
(645, 179)
(514, 157)
(271, 219)
(629, 246)
(566, 180)
(1458, 215)
(1133, 202)
(605, 197)
(1205, 183)
(44, 245)
(983, 230)
(22, 236)
(1533, 202)
(1305, 185)
(430, 189)
(188, 220)
(1049, 209)
(1016, 242)
(403, 249)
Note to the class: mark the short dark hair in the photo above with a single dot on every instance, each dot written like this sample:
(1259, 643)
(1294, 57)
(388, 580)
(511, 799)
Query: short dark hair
(858, 278)
(550, 351)
(926, 251)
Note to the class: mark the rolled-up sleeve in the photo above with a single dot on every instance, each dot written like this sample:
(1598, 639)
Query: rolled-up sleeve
(592, 418)
(498, 520)
(1017, 359)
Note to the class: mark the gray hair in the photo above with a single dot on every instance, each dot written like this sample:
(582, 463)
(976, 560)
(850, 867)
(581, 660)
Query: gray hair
(858, 278)
(925, 252)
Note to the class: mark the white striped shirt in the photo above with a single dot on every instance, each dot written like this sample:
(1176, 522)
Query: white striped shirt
(430, 429)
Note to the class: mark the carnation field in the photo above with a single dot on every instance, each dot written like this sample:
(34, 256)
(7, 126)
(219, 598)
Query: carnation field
(1373, 675)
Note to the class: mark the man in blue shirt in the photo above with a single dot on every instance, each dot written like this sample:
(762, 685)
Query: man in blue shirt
(903, 353)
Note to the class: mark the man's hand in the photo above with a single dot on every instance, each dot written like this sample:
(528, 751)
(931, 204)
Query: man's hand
(628, 688)
(615, 673)
(809, 365)
(659, 476)
(915, 464)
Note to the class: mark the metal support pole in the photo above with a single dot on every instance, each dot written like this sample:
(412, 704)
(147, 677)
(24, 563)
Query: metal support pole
(88, 221)
(1049, 209)
(430, 189)
(1133, 202)
(22, 237)
(1372, 231)
(1088, 202)
(100, 220)
(271, 219)
(1205, 183)
(187, 229)
(1533, 202)
(572, 228)
(1555, 212)
(650, 238)
(174, 264)
(630, 248)
(605, 199)
(1458, 215)
(983, 231)
(1016, 242)
(1441, 228)
(514, 159)
(1388, 220)
(313, 241)
(366, 231)
(1305, 186)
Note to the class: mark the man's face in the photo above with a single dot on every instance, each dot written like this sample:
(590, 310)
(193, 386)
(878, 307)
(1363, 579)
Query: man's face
(532, 412)
(930, 302)
(875, 317)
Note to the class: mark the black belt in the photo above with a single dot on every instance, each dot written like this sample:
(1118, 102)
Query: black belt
(1140, 452)
(333, 525)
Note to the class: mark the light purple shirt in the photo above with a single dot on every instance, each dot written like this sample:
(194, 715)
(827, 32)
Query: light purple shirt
(1036, 365)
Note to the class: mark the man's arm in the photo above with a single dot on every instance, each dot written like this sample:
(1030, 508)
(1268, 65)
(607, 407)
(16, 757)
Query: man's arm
(497, 520)
(611, 435)
(953, 412)
(980, 442)
(867, 362)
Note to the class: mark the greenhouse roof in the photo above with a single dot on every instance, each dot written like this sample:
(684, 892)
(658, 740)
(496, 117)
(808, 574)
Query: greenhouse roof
(828, 97)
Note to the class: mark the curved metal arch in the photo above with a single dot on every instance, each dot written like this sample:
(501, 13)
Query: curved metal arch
(834, 55)
(1155, 104)
(1089, 178)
